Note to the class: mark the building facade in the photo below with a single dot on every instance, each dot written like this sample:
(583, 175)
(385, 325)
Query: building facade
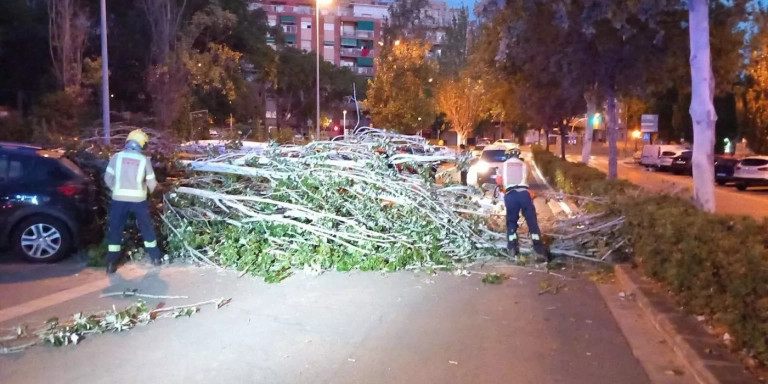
(350, 29)
(350, 34)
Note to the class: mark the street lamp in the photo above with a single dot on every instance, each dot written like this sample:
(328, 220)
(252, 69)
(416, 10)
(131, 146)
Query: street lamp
(318, 4)
(636, 135)
(104, 72)
(344, 112)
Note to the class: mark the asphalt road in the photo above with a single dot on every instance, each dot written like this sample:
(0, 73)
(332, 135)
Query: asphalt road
(728, 200)
(333, 328)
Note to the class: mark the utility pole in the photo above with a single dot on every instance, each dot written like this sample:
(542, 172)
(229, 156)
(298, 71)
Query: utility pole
(104, 72)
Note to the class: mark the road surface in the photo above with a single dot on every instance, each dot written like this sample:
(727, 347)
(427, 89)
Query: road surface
(728, 200)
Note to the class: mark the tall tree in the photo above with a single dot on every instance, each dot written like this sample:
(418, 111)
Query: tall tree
(461, 99)
(453, 57)
(68, 29)
(702, 107)
(166, 78)
(400, 95)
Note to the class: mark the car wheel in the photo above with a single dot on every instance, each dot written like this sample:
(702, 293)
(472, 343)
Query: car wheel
(42, 239)
(741, 187)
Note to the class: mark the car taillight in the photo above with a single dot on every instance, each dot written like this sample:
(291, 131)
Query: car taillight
(70, 189)
(737, 167)
(763, 169)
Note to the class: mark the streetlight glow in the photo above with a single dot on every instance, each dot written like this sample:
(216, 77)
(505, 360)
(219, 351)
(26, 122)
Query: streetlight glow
(397, 42)
(636, 134)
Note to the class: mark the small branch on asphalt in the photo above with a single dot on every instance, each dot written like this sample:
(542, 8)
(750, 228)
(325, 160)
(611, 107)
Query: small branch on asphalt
(219, 303)
(134, 293)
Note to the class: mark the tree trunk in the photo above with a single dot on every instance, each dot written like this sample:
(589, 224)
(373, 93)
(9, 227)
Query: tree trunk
(702, 108)
(589, 128)
(563, 127)
(611, 128)
(546, 138)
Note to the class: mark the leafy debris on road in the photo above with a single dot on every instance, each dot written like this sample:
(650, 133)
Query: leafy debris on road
(495, 278)
(547, 286)
(73, 331)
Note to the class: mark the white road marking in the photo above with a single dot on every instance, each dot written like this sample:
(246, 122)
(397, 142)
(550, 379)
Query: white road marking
(126, 273)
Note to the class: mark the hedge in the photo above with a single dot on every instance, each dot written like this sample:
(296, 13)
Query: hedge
(715, 265)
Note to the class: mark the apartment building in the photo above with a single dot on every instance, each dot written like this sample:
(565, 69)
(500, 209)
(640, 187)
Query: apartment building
(351, 29)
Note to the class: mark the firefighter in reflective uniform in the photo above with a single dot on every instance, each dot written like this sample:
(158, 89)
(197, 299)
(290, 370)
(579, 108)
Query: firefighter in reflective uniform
(511, 176)
(129, 175)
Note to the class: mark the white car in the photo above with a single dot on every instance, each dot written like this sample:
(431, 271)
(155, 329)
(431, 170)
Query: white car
(484, 169)
(507, 142)
(751, 171)
(666, 158)
(441, 150)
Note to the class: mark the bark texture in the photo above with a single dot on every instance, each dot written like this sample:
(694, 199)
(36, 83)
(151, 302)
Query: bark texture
(702, 109)
(591, 98)
(612, 129)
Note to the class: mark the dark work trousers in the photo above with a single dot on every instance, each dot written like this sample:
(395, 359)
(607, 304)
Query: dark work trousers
(517, 201)
(463, 177)
(118, 214)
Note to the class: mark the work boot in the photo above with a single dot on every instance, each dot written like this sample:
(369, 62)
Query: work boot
(111, 268)
(157, 262)
(513, 250)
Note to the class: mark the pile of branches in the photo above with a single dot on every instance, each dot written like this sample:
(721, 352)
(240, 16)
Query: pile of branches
(354, 203)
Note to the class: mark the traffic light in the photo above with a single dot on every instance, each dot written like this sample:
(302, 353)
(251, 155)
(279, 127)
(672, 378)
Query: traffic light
(596, 119)
(335, 128)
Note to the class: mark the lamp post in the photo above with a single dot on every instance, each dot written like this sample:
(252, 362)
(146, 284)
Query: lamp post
(318, 4)
(104, 72)
(636, 135)
(344, 112)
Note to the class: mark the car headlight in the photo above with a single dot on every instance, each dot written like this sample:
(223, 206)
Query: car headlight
(482, 166)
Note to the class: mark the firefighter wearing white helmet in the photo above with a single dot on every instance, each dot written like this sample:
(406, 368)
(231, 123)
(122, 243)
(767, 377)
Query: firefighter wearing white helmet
(511, 177)
(129, 175)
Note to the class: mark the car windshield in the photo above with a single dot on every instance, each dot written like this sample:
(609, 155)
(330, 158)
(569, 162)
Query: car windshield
(669, 153)
(494, 156)
(479, 147)
(754, 162)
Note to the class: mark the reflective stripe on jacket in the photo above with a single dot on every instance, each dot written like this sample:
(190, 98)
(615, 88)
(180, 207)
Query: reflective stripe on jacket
(513, 174)
(128, 175)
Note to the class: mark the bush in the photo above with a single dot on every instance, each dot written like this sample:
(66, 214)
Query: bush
(715, 265)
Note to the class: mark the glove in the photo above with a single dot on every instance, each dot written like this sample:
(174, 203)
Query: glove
(533, 195)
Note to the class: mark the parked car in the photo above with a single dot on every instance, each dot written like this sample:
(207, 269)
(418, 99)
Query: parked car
(507, 142)
(681, 164)
(660, 156)
(441, 150)
(667, 157)
(751, 171)
(724, 169)
(484, 169)
(44, 200)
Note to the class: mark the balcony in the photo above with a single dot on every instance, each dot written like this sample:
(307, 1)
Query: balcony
(358, 34)
(365, 71)
(355, 52)
(289, 28)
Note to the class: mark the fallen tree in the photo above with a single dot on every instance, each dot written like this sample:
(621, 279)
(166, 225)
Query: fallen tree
(355, 203)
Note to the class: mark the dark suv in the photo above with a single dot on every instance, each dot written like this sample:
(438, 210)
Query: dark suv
(44, 200)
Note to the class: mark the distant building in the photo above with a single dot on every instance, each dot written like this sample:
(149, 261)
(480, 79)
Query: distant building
(350, 37)
(351, 28)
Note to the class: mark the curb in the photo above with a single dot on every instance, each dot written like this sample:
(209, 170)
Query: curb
(721, 368)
